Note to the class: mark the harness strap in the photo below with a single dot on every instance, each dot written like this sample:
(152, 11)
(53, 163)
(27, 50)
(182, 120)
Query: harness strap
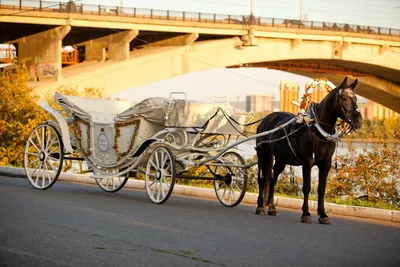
(291, 147)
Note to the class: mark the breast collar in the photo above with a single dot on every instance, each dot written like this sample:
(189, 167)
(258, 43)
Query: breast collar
(311, 112)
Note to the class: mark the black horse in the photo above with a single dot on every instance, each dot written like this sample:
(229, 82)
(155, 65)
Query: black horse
(304, 144)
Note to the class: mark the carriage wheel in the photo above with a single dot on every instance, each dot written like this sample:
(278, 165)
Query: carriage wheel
(44, 155)
(160, 175)
(231, 191)
(112, 185)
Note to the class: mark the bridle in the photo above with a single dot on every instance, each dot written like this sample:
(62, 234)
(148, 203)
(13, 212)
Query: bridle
(342, 128)
(346, 118)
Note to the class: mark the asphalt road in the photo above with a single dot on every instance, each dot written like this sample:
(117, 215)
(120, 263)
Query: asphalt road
(80, 225)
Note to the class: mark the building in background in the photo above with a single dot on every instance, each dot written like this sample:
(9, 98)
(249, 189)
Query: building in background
(259, 103)
(289, 92)
(372, 110)
(241, 105)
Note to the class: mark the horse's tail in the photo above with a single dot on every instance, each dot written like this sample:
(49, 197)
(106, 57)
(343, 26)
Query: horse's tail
(265, 160)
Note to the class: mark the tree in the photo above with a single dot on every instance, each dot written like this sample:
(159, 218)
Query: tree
(19, 114)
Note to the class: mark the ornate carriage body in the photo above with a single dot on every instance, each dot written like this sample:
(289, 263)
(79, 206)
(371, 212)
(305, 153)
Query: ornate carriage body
(160, 137)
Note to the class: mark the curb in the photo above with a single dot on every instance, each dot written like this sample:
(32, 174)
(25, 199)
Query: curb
(249, 198)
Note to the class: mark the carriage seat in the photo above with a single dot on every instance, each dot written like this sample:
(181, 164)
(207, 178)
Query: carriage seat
(98, 110)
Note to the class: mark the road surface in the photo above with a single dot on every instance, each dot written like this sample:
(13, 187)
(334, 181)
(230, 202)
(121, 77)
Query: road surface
(80, 225)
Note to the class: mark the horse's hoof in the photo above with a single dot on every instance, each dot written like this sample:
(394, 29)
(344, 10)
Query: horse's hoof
(272, 212)
(306, 219)
(324, 220)
(260, 211)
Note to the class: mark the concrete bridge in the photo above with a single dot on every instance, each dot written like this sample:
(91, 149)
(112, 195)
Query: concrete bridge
(125, 48)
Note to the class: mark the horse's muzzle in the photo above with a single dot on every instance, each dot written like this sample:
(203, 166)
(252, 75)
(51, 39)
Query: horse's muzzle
(356, 123)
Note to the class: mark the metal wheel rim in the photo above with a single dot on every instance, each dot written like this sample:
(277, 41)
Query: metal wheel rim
(231, 194)
(41, 166)
(111, 185)
(160, 175)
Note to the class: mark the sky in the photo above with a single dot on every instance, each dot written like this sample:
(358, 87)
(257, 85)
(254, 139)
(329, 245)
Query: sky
(203, 86)
(236, 83)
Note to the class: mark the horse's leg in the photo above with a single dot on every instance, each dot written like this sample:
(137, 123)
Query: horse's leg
(264, 157)
(306, 216)
(322, 176)
(278, 169)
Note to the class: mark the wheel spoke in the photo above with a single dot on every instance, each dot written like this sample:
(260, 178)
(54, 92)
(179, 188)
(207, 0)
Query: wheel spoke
(43, 137)
(169, 165)
(33, 162)
(157, 162)
(38, 138)
(166, 183)
(159, 191)
(162, 188)
(51, 152)
(152, 163)
(152, 183)
(31, 141)
(222, 185)
(51, 165)
(239, 179)
(154, 189)
(37, 166)
(43, 174)
(165, 160)
(223, 194)
(233, 192)
(48, 172)
(52, 158)
(50, 142)
(238, 188)
(48, 138)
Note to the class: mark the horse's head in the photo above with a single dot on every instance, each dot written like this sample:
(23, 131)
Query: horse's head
(347, 104)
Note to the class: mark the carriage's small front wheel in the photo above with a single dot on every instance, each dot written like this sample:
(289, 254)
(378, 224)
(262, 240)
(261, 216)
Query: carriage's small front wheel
(232, 186)
(112, 185)
(43, 158)
(160, 175)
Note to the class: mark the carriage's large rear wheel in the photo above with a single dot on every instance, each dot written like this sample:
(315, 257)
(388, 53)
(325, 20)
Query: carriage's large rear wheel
(43, 158)
(232, 189)
(160, 175)
(112, 185)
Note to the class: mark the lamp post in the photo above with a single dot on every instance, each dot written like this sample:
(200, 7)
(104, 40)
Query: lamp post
(252, 20)
(301, 10)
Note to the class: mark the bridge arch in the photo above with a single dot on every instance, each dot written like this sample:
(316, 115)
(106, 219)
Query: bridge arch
(151, 64)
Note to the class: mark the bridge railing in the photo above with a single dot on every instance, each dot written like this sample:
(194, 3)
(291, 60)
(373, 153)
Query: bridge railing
(103, 10)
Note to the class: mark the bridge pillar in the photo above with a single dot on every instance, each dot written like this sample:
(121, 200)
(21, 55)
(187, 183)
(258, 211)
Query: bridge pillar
(117, 45)
(185, 39)
(43, 52)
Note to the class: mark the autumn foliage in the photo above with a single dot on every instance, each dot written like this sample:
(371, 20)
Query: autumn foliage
(19, 114)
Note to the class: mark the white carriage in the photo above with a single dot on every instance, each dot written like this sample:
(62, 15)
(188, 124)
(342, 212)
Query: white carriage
(164, 138)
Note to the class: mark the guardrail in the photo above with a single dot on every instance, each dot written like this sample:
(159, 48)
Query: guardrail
(103, 10)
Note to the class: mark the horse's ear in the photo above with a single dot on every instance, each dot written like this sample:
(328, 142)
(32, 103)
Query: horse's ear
(343, 84)
(353, 85)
